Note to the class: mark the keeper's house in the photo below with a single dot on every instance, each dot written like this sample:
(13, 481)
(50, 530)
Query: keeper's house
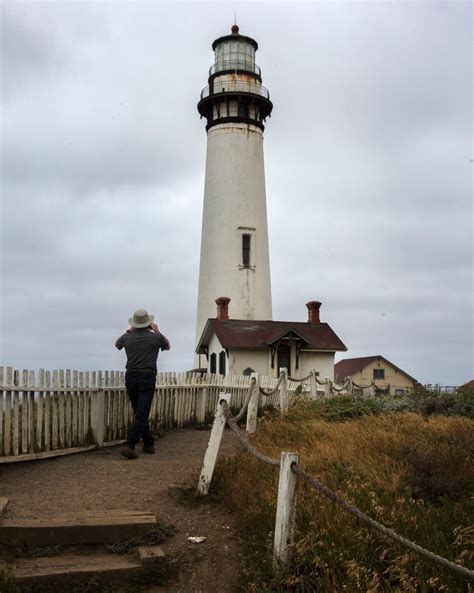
(243, 346)
(387, 377)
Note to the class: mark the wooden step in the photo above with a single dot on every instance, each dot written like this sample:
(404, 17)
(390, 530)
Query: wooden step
(150, 555)
(67, 569)
(3, 504)
(100, 527)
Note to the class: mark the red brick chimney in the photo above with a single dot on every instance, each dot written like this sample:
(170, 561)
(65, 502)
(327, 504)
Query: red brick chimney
(223, 308)
(313, 311)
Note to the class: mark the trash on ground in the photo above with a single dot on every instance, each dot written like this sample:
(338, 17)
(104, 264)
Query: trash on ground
(197, 539)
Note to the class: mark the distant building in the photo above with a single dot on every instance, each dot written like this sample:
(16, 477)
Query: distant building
(378, 369)
(243, 346)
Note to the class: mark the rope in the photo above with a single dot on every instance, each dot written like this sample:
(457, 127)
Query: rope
(333, 387)
(238, 433)
(300, 380)
(240, 415)
(325, 382)
(268, 393)
(379, 527)
(363, 386)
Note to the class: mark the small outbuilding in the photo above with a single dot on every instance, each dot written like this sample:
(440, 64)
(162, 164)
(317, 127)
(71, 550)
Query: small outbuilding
(386, 376)
(244, 346)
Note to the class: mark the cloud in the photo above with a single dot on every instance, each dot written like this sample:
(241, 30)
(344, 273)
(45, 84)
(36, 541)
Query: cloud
(367, 170)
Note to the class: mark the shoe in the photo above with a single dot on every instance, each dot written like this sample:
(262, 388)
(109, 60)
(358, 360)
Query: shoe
(128, 453)
(150, 449)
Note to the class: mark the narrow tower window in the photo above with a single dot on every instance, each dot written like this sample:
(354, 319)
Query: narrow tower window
(246, 250)
(243, 109)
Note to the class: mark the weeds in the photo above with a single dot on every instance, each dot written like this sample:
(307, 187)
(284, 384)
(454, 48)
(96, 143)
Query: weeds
(410, 472)
(154, 536)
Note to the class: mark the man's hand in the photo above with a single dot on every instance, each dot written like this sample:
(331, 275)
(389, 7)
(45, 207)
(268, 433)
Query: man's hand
(154, 327)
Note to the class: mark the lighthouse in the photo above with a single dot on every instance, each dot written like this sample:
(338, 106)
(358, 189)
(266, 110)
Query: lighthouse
(235, 259)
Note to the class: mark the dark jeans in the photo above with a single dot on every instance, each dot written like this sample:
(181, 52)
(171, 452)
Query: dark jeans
(140, 389)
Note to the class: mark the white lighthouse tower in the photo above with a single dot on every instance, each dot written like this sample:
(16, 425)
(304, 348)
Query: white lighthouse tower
(234, 243)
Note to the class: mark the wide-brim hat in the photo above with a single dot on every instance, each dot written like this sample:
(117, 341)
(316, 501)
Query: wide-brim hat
(141, 318)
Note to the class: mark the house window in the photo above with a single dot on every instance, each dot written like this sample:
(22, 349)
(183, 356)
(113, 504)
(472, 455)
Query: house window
(213, 365)
(246, 239)
(284, 358)
(379, 373)
(222, 362)
(399, 392)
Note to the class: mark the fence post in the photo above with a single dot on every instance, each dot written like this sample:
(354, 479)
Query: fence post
(350, 387)
(327, 387)
(313, 387)
(284, 391)
(98, 416)
(201, 405)
(252, 410)
(286, 508)
(212, 450)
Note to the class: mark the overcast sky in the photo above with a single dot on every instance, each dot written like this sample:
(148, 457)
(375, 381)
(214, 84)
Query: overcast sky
(368, 168)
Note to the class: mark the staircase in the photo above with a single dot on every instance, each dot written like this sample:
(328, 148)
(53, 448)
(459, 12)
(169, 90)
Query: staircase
(86, 533)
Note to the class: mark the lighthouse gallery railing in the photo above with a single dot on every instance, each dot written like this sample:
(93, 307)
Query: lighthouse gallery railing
(235, 86)
(244, 65)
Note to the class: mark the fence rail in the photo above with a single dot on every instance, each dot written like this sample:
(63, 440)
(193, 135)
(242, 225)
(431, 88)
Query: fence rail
(48, 413)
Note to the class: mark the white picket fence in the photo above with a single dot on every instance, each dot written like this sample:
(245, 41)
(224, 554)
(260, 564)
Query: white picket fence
(52, 413)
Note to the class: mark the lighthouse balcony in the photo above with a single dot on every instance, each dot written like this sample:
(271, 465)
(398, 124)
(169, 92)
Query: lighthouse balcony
(247, 66)
(235, 86)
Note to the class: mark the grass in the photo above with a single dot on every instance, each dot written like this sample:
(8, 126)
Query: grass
(410, 471)
(154, 536)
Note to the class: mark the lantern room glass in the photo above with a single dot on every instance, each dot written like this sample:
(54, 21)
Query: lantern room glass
(234, 51)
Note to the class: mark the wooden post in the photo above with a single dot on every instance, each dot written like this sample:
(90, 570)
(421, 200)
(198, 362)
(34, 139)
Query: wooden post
(252, 410)
(24, 412)
(201, 404)
(40, 411)
(16, 413)
(327, 387)
(350, 387)
(313, 386)
(284, 391)
(7, 413)
(286, 507)
(98, 416)
(213, 447)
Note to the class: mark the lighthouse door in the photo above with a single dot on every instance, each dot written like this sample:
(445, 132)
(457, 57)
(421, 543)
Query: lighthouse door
(284, 358)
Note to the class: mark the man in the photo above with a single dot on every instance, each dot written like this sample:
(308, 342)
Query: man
(142, 343)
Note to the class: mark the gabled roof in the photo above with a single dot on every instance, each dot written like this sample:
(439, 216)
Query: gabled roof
(250, 333)
(350, 366)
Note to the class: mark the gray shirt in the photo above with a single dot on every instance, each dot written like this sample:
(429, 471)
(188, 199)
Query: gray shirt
(142, 346)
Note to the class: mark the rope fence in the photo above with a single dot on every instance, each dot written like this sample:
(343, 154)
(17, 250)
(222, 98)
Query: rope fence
(269, 392)
(286, 502)
(300, 380)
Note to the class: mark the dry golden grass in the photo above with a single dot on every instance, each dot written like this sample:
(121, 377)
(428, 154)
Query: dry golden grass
(412, 474)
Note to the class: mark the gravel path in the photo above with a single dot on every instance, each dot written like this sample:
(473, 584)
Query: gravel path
(101, 479)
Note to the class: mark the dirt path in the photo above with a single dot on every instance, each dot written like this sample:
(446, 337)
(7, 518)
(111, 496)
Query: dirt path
(103, 480)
